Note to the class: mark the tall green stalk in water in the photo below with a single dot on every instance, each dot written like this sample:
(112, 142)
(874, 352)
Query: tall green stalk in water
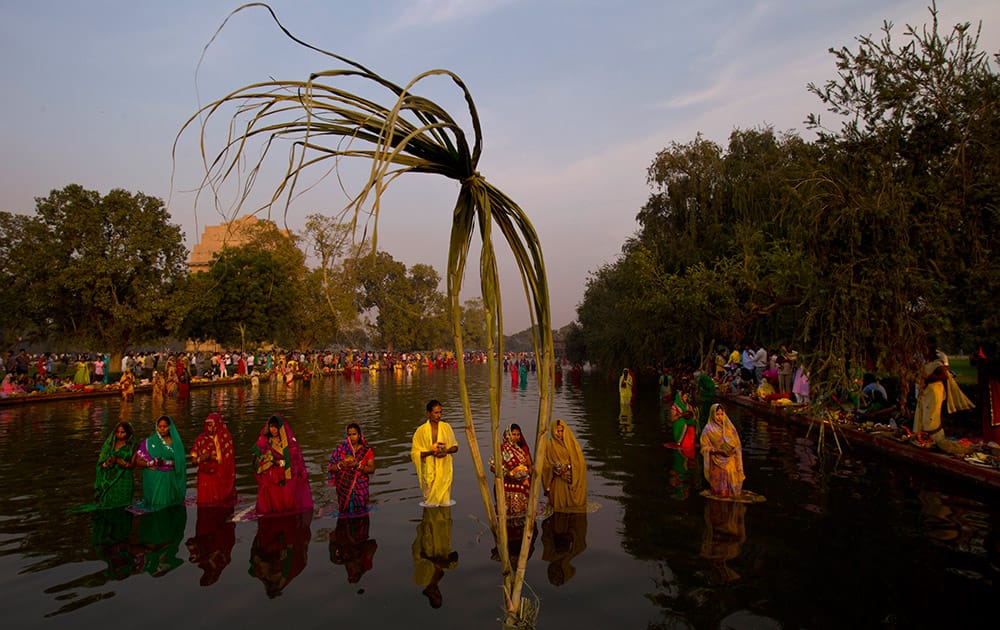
(322, 124)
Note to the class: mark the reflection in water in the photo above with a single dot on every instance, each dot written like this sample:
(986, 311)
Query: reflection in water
(682, 477)
(564, 537)
(160, 536)
(515, 539)
(953, 520)
(432, 553)
(351, 546)
(725, 533)
(279, 550)
(211, 548)
(111, 544)
(626, 421)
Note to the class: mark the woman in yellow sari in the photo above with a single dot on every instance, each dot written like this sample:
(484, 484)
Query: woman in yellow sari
(723, 454)
(564, 470)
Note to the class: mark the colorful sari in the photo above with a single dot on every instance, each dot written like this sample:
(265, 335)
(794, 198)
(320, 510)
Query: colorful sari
(114, 484)
(279, 551)
(216, 475)
(211, 547)
(282, 480)
(164, 480)
(351, 546)
(564, 471)
(722, 453)
(516, 458)
(351, 482)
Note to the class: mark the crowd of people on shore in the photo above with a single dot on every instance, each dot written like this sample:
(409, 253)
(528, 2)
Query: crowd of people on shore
(169, 373)
(778, 378)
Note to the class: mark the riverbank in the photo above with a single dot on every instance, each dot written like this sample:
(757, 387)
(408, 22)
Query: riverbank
(111, 389)
(981, 467)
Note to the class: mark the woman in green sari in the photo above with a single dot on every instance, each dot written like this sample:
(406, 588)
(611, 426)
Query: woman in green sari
(164, 480)
(113, 482)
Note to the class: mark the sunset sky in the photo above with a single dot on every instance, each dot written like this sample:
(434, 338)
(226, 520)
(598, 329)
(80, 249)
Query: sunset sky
(576, 97)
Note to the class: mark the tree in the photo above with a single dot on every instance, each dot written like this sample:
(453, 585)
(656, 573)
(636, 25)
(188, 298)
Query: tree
(409, 311)
(334, 288)
(104, 269)
(906, 225)
(474, 324)
(254, 293)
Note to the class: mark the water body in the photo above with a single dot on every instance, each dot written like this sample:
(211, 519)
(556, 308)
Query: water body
(850, 541)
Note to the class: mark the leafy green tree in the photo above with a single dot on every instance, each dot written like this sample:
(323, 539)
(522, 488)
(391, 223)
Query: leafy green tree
(22, 305)
(104, 268)
(409, 311)
(905, 229)
(249, 296)
(254, 293)
(474, 324)
(334, 287)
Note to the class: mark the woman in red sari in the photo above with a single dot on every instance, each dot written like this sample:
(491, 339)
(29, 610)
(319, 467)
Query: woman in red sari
(517, 469)
(215, 457)
(350, 465)
(282, 480)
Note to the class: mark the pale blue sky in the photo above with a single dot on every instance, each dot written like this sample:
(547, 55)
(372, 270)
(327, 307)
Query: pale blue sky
(575, 96)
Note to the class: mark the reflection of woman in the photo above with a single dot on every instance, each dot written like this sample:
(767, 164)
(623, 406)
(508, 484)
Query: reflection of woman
(564, 537)
(351, 546)
(282, 482)
(725, 533)
(215, 457)
(165, 476)
(516, 458)
(564, 471)
(722, 453)
(113, 482)
(111, 529)
(211, 548)
(348, 470)
(160, 536)
(279, 551)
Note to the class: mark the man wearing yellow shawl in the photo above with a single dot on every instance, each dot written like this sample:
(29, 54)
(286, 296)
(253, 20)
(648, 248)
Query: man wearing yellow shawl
(433, 445)
(564, 470)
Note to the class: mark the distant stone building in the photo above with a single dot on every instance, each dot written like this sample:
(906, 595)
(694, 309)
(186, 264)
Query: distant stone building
(216, 237)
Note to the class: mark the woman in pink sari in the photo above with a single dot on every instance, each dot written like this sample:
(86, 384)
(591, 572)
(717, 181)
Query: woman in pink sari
(723, 454)
(350, 465)
(282, 481)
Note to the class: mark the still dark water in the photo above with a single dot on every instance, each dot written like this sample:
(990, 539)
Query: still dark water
(859, 541)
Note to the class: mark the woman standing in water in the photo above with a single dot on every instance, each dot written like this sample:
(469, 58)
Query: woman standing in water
(516, 457)
(282, 482)
(348, 469)
(215, 457)
(722, 453)
(564, 471)
(113, 482)
(164, 478)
